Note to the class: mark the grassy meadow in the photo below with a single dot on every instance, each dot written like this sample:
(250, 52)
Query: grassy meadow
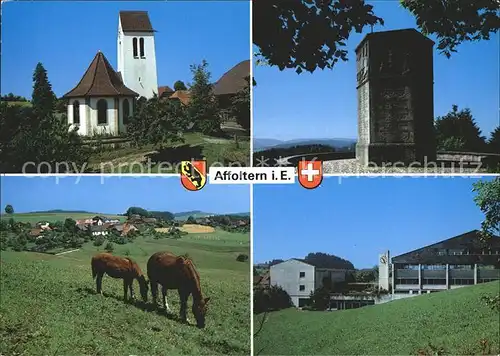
(454, 320)
(49, 302)
(196, 146)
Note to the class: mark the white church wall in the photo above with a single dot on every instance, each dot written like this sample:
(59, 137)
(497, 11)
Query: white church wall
(110, 127)
(139, 74)
(82, 126)
(121, 126)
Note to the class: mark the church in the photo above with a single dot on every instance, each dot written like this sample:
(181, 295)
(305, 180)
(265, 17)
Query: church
(103, 100)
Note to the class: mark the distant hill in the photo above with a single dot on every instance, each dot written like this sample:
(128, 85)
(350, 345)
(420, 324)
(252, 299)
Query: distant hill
(60, 211)
(59, 215)
(201, 214)
(265, 144)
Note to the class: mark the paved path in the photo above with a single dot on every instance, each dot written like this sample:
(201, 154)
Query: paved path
(65, 252)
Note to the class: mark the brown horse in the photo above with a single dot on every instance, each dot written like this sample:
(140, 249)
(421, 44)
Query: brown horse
(119, 267)
(174, 272)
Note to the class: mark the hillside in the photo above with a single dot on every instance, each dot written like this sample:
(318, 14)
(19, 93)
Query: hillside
(456, 320)
(55, 216)
(49, 302)
(197, 214)
(265, 144)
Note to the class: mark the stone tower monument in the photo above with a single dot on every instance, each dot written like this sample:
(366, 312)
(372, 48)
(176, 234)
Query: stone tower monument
(383, 270)
(395, 98)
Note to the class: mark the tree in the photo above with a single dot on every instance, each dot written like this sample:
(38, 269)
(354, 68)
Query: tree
(461, 128)
(240, 106)
(36, 134)
(43, 98)
(203, 108)
(9, 209)
(308, 34)
(311, 34)
(324, 260)
(158, 122)
(191, 220)
(134, 210)
(70, 225)
(488, 200)
(179, 85)
(455, 21)
(494, 141)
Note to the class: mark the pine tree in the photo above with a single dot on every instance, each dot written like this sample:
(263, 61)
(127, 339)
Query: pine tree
(43, 98)
(203, 107)
(494, 142)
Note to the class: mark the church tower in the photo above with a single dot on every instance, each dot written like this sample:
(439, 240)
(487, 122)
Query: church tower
(136, 53)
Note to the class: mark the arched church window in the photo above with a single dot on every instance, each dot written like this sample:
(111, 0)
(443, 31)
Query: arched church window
(76, 112)
(141, 45)
(134, 44)
(126, 111)
(102, 112)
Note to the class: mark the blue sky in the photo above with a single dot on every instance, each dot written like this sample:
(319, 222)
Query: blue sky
(324, 104)
(65, 36)
(117, 194)
(361, 217)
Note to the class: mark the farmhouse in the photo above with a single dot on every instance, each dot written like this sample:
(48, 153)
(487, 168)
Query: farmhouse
(98, 230)
(103, 100)
(124, 229)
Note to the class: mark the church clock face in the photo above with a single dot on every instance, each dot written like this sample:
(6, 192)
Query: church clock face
(383, 260)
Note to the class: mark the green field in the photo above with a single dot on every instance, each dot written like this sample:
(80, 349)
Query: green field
(49, 304)
(456, 320)
(33, 218)
(196, 146)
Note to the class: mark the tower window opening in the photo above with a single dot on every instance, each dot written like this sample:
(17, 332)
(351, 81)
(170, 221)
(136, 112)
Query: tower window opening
(141, 46)
(134, 45)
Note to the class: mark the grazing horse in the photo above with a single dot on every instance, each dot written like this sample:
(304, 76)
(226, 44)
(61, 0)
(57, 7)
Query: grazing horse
(119, 267)
(177, 272)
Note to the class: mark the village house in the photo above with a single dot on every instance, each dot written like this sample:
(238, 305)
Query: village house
(44, 225)
(125, 229)
(99, 230)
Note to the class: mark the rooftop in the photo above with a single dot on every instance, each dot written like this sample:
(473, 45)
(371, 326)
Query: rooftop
(100, 79)
(135, 21)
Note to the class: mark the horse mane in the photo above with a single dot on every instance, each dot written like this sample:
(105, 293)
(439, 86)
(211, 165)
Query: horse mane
(135, 267)
(193, 273)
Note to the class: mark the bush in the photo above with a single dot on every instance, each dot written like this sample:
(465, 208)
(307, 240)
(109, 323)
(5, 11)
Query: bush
(109, 247)
(492, 301)
(99, 240)
(242, 258)
(320, 299)
(270, 299)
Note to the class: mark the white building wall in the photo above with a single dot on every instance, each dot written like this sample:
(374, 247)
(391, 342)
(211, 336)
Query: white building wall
(122, 127)
(139, 74)
(110, 126)
(82, 127)
(287, 276)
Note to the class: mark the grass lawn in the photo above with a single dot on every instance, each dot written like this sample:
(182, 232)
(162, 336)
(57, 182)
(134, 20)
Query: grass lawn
(148, 159)
(19, 103)
(49, 303)
(33, 218)
(456, 320)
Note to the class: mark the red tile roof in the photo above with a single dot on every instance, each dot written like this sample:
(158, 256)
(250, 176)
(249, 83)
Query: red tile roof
(100, 79)
(165, 90)
(183, 95)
